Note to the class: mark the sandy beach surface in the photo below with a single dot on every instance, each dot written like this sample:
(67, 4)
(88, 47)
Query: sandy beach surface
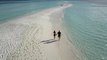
(31, 37)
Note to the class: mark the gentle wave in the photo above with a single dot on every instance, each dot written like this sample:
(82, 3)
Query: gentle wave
(87, 26)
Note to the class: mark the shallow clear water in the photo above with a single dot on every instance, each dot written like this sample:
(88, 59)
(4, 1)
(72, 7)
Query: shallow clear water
(86, 24)
(10, 10)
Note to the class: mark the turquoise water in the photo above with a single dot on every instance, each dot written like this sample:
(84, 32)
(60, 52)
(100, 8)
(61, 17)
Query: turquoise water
(86, 24)
(10, 10)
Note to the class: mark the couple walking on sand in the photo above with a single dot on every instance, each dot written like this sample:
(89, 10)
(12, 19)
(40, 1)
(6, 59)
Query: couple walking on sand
(58, 33)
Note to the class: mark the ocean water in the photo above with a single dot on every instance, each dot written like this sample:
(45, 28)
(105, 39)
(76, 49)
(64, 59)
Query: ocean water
(10, 10)
(86, 25)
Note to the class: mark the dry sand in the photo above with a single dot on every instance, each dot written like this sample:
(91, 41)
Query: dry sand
(31, 37)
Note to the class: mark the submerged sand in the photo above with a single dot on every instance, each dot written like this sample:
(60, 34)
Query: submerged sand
(31, 37)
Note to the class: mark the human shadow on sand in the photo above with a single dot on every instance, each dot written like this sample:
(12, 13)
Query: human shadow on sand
(48, 41)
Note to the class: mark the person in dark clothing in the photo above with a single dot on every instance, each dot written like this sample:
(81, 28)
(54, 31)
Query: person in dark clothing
(59, 34)
(54, 34)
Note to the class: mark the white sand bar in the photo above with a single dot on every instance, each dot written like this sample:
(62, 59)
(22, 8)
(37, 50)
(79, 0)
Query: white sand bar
(31, 37)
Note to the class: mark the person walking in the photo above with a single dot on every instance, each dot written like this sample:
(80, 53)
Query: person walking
(59, 34)
(54, 34)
